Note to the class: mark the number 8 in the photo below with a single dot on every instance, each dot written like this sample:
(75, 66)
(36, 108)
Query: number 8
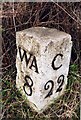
(28, 85)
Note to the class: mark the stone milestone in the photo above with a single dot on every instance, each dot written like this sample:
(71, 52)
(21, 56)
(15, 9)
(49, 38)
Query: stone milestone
(42, 62)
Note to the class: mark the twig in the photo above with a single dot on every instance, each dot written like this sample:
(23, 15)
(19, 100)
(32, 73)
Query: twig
(79, 21)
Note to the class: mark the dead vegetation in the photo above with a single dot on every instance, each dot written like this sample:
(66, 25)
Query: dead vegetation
(18, 16)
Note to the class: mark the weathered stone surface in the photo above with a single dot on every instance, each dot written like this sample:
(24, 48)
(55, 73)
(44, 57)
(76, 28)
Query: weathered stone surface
(43, 57)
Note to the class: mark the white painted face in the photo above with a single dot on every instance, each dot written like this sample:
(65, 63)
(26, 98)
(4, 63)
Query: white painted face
(43, 57)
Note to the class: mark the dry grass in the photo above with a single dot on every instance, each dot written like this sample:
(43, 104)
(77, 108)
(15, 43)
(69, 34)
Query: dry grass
(65, 108)
(18, 16)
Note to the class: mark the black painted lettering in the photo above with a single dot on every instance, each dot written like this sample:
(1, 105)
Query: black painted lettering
(28, 85)
(24, 55)
(34, 64)
(47, 86)
(60, 82)
(53, 65)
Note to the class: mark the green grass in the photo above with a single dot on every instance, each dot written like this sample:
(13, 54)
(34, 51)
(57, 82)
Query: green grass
(64, 108)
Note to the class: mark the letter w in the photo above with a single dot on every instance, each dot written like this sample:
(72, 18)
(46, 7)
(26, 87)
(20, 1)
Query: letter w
(24, 55)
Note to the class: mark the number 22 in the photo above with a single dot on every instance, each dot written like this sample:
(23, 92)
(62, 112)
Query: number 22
(59, 81)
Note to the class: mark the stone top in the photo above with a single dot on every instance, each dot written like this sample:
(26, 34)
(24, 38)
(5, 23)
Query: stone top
(43, 34)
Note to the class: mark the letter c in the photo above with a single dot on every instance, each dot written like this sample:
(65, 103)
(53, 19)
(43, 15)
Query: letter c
(53, 65)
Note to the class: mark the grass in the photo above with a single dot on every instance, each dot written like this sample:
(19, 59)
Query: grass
(63, 16)
(64, 108)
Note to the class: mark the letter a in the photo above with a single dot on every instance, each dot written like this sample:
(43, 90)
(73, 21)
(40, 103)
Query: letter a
(34, 64)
